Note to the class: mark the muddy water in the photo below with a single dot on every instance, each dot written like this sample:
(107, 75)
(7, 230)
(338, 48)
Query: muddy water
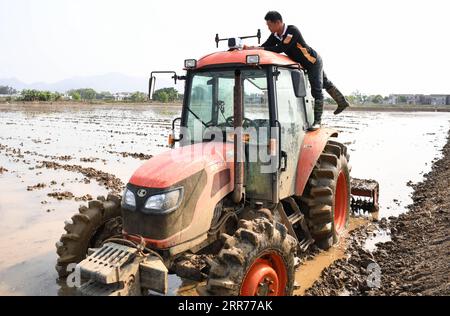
(30, 221)
(393, 148)
(310, 270)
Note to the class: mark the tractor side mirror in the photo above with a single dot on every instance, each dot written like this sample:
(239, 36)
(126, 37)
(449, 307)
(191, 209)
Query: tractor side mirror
(152, 81)
(298, 82)
(151, 87)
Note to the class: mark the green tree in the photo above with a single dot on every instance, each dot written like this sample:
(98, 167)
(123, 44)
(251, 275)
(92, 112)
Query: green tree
(377, 99)
(162, 96)
(44, 96)
(85, 94)
(402, 99)
(104, 95)
(30, 95)
(138, 97)
(75, 95)
(88, 94)
(56, 96)
(166, 95)
(36, 95)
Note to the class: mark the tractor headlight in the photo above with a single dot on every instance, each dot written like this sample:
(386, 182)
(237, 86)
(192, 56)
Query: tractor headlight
(129, 200)
(164, 203)
(190, 63)
(252, 59)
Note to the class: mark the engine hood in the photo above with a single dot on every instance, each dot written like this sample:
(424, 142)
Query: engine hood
(172, 166)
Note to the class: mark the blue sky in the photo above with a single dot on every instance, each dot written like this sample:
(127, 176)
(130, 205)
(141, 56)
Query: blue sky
(375, 46)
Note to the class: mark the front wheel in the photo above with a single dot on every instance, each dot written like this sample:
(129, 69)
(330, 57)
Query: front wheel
(257, 261)
(88, 229)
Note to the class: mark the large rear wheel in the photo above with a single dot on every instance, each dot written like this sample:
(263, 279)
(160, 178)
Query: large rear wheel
(327, 195)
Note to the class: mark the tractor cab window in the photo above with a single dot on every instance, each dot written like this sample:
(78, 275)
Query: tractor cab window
(200, 101)
(211, 102)
(290, 108)
(256, 100)
(225, 99)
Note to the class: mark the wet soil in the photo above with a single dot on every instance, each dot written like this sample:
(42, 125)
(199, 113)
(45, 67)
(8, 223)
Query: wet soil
(140, 156)
(417, 259)
(106, 179)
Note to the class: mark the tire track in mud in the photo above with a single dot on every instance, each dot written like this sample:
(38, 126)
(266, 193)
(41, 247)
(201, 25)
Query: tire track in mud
(415, 261)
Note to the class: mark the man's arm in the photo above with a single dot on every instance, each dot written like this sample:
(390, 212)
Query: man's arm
(292, 36)
(271, 41)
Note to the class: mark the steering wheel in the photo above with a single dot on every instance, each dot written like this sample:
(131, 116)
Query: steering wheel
(230, 122)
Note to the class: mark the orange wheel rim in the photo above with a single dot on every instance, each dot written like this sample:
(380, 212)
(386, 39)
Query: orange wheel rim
(341, 203)
(267, 276)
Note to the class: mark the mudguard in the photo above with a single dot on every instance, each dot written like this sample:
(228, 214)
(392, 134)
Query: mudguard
(314, 143)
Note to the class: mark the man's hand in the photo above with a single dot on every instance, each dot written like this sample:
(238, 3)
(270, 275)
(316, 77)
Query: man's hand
(251, 47)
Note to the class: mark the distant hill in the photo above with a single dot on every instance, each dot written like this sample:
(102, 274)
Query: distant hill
(112, 82)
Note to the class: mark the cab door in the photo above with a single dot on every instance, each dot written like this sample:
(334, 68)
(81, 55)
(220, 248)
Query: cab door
(259, 166)
(293, 124)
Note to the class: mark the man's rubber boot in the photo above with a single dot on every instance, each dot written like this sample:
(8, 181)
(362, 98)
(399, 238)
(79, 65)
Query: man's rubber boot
(339, 98)
(318, 110)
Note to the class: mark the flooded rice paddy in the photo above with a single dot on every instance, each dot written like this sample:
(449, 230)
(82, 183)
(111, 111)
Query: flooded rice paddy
(52, 159)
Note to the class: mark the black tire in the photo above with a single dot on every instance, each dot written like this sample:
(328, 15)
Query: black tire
(319, 198)
(253, 239)
(88, 229)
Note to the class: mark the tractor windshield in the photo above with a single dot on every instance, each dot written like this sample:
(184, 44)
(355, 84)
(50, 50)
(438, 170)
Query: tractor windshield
(211, 101)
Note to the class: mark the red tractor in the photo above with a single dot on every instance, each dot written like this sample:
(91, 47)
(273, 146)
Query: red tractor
(248, 189)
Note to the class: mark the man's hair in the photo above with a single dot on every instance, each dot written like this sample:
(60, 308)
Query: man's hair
(273, 16)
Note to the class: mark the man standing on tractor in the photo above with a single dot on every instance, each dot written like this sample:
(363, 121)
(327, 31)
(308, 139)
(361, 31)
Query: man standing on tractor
(288, 39)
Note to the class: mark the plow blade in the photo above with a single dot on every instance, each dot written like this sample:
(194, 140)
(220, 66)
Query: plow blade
(364, 195)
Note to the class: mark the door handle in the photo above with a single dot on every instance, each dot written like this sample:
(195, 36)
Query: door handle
(284, 160)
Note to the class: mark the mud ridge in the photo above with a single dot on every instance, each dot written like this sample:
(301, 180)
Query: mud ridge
(140, 156)
(108, 180)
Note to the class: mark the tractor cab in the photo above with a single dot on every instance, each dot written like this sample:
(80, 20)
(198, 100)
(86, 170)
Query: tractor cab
(271, 95)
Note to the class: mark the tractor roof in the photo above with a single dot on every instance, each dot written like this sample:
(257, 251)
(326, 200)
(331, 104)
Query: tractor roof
(240, 57)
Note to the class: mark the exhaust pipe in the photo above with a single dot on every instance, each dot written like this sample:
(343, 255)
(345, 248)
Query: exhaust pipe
(238, 143)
